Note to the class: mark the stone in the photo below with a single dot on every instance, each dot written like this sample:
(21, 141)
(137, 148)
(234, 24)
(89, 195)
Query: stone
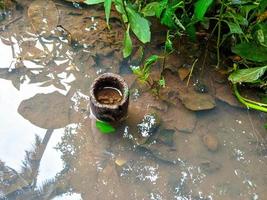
(196, 101)
(211, 142)
(179, 118)
(224, 93)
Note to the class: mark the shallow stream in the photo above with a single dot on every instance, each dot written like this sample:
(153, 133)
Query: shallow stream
(50, 52)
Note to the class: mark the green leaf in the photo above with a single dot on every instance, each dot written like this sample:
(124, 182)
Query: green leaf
(93, 2)
(263, 5)
(150, 60)
(201, 8)
(139, 25)
(150, 9)
(251, 51)
(136, 70)
(167, 18)
(127, 43)
(107, 5)
(104, 127)
(148, 63)
(159, 9)
(265, 126)
(250, 75)
(234, 27)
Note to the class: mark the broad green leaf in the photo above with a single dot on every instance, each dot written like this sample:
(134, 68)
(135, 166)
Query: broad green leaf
(201, 8)
(251, 51)
(250, 75)
(92, 2)
(127, 43)
(150, 9)
(107, 5)
(104, 127)
(234, 27)
(265, 126)
(139, 25)
(159, 9)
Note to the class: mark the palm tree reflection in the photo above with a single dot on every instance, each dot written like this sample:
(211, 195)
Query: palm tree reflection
(22, 185)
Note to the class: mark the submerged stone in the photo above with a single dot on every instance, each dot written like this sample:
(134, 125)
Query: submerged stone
(196, 101)
(211, 142)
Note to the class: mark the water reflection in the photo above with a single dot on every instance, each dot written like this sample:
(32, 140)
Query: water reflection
(162, 151)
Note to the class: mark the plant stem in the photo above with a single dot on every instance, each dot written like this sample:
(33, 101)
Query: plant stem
(124, 8)
(246, 103)
(164, 54)
(192, 68)
(219, 34)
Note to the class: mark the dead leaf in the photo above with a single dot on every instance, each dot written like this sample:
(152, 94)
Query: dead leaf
(183, 73)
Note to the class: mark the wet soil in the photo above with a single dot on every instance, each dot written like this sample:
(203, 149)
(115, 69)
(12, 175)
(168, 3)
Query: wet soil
(179, 144)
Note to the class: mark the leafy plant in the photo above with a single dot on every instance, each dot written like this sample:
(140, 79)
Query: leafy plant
(251, 75)
(143, 72)
(242, 24)
(105, 127)
(134, 21)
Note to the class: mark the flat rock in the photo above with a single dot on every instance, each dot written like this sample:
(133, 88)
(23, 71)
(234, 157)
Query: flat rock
(197, 101)
(49, 111)
(179, 118)
(224, 93)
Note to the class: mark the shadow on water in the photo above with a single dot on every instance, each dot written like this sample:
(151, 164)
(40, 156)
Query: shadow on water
(189, 143)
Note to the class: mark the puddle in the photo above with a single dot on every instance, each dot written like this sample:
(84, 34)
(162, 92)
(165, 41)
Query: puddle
(51, 149)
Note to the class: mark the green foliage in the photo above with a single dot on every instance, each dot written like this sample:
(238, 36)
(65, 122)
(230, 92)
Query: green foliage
(104, 127)
(143, 72)
(250, 75)
(251, 51)
(127, 43)
(139, 25)
(240, 23)
(201, 7)
(93, 2)
(107, 5)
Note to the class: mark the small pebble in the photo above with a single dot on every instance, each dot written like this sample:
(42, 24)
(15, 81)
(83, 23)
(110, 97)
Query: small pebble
(211, 142)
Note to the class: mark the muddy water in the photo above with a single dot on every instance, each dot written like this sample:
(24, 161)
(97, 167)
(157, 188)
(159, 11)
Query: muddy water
(51, 149)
